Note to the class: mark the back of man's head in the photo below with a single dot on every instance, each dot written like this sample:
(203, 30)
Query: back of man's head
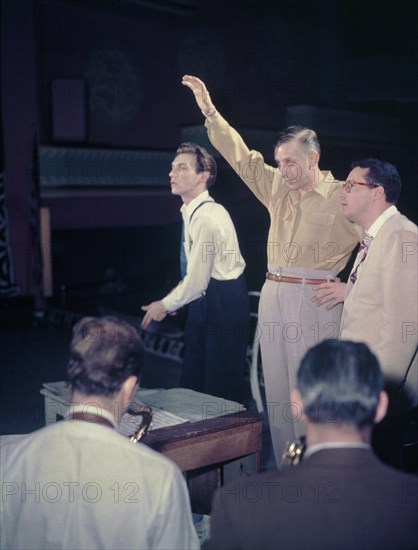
(105, 351)
(340, 382)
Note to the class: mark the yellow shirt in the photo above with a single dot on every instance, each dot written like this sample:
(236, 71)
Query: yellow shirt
(309, 232)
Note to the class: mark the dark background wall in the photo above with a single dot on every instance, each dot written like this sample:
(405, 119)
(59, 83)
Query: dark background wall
(347, 69)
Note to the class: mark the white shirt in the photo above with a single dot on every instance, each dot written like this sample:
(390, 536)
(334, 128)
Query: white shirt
(211, 247)
(371, 234)
(384, 216)
(81, 485)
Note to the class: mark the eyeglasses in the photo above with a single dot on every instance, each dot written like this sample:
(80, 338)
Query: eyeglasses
(348, 185)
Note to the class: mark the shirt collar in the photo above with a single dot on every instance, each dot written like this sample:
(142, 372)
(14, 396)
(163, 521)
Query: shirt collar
(384, 216)
(325, 184)
(91, 410)
(320, 446)
(188, 208)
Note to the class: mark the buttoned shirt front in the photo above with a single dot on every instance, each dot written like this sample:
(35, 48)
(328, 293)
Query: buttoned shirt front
(211, 247)
(309, 232)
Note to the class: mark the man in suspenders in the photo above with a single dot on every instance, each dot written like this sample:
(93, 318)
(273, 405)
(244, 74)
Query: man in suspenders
(217, 325)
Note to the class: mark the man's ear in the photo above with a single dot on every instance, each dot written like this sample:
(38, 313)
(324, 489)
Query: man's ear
(129, 388)
(313, 158)
(379, 192)
(296, 400)
(382, 407)
(205, 176)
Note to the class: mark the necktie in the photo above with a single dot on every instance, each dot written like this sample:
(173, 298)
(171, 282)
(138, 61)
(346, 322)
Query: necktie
(361, 256)
(183, 259)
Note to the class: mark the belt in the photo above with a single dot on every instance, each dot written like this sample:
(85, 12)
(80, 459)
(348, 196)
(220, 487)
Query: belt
(299, 280)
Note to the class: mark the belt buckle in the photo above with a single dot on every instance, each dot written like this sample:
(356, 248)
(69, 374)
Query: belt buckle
(279, 274)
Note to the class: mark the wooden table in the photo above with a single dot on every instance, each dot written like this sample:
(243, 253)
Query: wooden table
(219, 443)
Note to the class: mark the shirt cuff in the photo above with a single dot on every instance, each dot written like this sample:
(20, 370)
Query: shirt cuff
(169, 305)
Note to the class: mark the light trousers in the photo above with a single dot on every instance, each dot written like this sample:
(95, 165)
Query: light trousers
(289, 323)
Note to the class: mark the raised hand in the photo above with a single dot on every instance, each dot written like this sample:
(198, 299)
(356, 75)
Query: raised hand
(201, 94)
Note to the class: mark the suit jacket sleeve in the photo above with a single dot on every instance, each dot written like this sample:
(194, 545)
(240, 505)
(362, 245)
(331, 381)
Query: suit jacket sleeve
(222, 534)
(398, 331)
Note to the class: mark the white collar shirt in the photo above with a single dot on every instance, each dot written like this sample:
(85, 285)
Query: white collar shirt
(370, 235)
(82, 485)
(384, 216)
(90, 410)
(211, 247)
(334, 445)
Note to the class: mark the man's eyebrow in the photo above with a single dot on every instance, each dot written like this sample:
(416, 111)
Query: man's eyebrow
(289, 157)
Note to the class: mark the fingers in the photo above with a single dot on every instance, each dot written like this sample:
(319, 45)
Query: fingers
(325, 293)
(193, 82)
(147, 317)
(146, 320)
(329, 293)
(200, 92)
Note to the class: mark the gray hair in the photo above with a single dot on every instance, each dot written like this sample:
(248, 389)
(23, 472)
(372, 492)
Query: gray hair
(340, 381)
(104, 352)
(305, 136)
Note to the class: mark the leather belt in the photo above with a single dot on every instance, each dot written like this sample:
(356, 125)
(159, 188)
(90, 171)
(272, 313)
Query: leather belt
(298, 280)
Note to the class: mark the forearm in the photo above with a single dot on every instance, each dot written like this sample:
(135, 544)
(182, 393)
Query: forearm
(199, 270)
(189, 289)
(248, 164)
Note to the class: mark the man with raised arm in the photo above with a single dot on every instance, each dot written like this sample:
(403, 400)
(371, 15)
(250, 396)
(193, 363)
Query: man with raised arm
(309, 243)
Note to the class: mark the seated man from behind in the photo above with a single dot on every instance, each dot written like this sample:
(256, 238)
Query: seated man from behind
(79, 483)
(340, 496)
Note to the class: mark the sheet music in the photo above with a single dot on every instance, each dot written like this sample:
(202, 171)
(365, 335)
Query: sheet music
(199, 405)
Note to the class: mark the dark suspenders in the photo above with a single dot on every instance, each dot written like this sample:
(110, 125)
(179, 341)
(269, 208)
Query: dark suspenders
(197, 208)
(191, 216)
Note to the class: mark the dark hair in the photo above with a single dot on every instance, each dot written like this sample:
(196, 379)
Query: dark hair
(305, 136)
(340, 381)
(104, 352)
(204, 160)
(384, 174)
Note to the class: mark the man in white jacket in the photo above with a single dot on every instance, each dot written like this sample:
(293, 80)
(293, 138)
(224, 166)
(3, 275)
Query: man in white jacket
(381, 295)
(78, 483)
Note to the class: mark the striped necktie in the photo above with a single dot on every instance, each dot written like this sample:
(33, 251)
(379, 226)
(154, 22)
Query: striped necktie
(361, 256)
